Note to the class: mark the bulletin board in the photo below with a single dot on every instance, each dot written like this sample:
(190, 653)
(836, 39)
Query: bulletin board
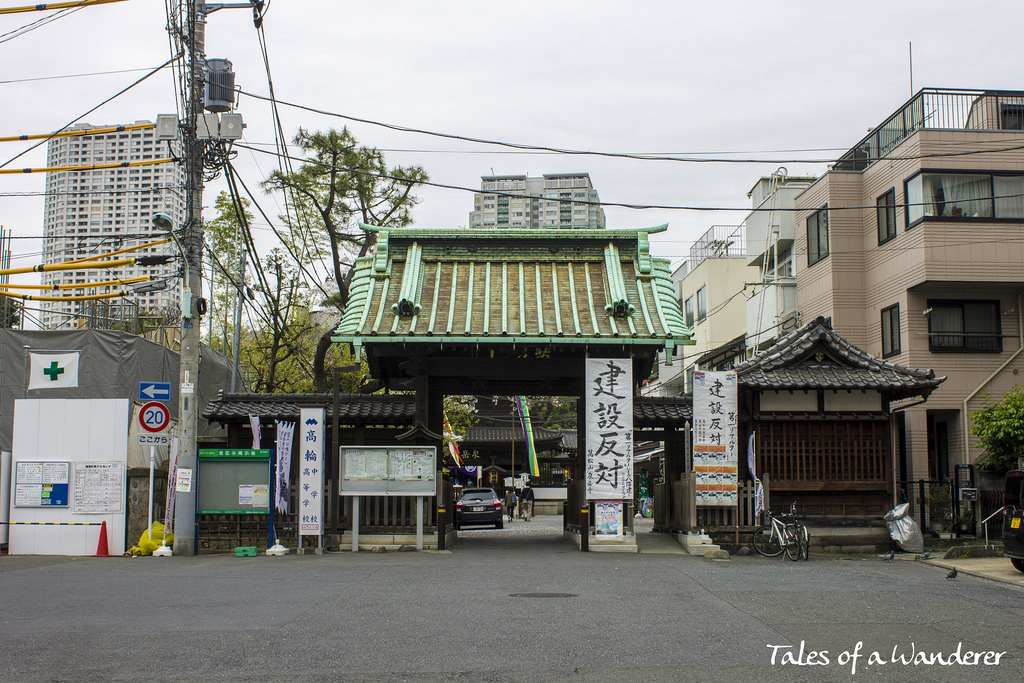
(388, 471)
(233, 481)
(41, 484)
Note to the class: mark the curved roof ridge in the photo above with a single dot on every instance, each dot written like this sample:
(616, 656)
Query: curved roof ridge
(788, 364)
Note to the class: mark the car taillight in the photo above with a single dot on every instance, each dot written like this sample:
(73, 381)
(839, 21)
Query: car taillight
(497, 503)
(458, 506)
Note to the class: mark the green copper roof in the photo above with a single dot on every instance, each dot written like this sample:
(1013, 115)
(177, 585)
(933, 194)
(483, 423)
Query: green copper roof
(426, 286)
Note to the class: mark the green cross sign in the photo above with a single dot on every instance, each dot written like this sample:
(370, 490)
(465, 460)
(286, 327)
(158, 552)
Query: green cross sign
(54, 371)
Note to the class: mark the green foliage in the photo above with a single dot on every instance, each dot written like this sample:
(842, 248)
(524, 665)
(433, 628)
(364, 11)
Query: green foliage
(10, 313)
(999, 428)
(341, 185)
(940, 506)
(552, 412)
(460, 411)
(224, 237)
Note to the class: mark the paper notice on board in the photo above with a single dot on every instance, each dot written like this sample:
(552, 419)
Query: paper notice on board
(260, 496)
(245, 494)
(99, 487)
(355, 465)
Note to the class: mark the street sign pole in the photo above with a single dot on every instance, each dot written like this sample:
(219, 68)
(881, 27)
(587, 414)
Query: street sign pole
(152, 468)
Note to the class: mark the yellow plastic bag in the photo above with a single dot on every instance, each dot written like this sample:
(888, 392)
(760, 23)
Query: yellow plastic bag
(148, 542)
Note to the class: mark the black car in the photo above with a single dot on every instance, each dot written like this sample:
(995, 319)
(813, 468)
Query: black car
(1013, 518)
(477, 507)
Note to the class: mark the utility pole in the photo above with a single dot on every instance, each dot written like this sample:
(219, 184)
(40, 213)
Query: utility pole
(197, 129)
(192, 240)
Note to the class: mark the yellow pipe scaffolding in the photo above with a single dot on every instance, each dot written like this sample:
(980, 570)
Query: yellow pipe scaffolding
(54, 5)
(77, 133)
(81, 285)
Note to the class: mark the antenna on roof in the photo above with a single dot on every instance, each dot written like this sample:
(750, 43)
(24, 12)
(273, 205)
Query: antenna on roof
(910, 54)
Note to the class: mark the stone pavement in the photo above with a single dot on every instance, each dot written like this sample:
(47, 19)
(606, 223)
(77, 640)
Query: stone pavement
(994, 568)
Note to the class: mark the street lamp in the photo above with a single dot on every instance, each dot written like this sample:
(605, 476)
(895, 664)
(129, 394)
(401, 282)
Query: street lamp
(162, 222)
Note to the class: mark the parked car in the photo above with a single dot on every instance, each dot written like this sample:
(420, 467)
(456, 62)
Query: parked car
(1013, 518)
(477, 507)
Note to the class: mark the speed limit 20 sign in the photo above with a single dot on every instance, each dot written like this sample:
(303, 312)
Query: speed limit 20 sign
(153, 417)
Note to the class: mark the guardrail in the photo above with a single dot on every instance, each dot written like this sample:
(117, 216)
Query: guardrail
(984, 523)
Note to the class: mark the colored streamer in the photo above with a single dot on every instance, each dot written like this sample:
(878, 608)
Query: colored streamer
(452, 447)
(524, 420)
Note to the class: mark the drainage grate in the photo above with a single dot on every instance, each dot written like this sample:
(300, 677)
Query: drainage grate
(543, 595)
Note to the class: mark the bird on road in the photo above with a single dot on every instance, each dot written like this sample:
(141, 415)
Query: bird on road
(952, 573)
(889, 556)
(925, 555)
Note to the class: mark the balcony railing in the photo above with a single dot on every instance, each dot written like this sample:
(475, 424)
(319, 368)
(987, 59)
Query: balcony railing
(721, 241)
(937, 109)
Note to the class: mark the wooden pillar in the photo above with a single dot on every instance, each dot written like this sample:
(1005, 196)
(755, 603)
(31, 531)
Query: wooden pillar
(675, 455)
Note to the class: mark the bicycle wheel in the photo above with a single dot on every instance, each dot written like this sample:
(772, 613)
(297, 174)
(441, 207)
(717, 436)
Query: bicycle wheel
(766, 543)
(791, 541)
(805, 542)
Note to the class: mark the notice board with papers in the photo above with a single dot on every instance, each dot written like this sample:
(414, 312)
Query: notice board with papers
(388, 471)
(233, 481)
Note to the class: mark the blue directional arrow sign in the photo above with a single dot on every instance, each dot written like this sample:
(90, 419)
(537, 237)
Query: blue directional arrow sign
(154, 391)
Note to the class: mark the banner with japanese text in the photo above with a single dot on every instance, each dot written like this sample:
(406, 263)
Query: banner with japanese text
(311, 471)
(714, 438)
(285, 432)
(608, 400)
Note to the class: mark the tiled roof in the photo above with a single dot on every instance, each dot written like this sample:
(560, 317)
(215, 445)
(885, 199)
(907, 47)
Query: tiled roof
(815, 357)
(362, 409)
(512, 287)
(506, 435)
(660, 411)
(397, 409)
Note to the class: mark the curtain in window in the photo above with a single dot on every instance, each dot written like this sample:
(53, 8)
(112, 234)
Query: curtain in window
(967, 195)
(915, 201)
(981, 323)
(1009, 192)
(946, 327)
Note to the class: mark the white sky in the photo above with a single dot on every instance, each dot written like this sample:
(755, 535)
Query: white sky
(648, 77)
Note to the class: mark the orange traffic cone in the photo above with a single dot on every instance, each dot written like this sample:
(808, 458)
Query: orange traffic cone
(101, 548)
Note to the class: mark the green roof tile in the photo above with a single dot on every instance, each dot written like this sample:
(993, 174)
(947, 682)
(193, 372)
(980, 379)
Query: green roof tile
(589, 286)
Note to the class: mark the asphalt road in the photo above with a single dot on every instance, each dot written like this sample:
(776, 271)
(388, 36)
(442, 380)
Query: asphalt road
(519, 604)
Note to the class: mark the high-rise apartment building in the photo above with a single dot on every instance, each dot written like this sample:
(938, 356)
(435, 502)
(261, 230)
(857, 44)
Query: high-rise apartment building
(555, 200)
(91, 212)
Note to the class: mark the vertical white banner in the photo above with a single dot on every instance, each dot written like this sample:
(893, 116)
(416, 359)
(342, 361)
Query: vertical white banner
(714, 438)
(285, 431)
(311, 471)
(254, 424)
(608, 396)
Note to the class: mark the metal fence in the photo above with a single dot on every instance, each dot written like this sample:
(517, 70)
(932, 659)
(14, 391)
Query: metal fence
(937, 109)
(934, 506)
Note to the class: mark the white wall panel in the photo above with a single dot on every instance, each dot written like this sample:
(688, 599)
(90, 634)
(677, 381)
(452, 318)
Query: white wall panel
(73, 431)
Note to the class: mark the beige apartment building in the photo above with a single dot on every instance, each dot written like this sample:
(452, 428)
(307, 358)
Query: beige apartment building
(710, 285)
(912, 244)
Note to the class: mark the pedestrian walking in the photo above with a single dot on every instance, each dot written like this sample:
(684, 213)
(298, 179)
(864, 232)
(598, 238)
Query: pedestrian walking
(510, 503)
(527, 504)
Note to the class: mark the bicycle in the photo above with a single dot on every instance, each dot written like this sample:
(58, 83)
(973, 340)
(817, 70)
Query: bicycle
(805, 540)
(782, 534)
